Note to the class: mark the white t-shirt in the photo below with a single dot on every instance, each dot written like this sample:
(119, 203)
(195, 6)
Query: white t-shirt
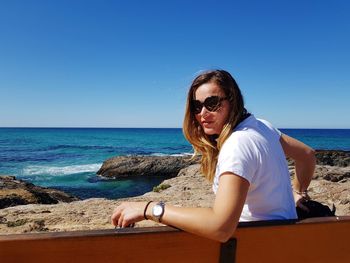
(254, 152)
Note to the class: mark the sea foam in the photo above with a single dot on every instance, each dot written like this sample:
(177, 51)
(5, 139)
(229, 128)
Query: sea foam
(64, 170)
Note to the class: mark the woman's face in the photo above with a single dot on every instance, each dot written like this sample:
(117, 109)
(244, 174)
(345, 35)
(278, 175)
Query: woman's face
(212, 122)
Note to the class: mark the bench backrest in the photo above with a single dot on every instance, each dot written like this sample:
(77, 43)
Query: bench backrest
(318, 240)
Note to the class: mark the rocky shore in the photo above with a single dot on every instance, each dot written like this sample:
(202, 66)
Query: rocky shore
(134, 166)
(16, 192)
(331, 185)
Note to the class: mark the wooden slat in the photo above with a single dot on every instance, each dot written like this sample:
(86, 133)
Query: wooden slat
(313, 240)
(166, 245)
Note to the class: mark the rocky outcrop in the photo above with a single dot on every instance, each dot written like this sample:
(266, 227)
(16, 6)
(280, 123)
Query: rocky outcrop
(17, 192)
(332, 165)
(169, 166)
(133, 166)
(330, 157)
(333, 158)
(332, 173)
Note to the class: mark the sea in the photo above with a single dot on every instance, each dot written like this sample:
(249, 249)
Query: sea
(68, 158)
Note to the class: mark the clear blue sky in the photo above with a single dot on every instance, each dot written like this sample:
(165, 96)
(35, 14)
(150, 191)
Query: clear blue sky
(80, 63)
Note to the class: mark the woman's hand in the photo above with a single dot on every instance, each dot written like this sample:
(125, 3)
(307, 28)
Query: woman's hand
(299, 199)
(128, 213)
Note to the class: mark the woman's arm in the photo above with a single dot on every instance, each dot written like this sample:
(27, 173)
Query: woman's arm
(218, 222)
(304, 160)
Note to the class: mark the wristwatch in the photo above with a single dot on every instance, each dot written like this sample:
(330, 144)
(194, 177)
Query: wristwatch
(158, 211)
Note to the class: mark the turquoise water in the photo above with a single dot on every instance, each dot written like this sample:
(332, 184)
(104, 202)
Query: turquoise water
(68, 158)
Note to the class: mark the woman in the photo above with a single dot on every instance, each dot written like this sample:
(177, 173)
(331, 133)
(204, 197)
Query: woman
(242, 156)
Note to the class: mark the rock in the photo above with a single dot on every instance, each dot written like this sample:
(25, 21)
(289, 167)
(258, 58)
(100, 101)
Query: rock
(330, 157)
(336, 177)
(333, 157)
(169, 166)
(192, 171)
(17, 192)
(329, 173)
(133, 166)
(189, 189)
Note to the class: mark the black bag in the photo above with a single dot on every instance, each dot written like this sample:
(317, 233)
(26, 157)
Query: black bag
(316, 209)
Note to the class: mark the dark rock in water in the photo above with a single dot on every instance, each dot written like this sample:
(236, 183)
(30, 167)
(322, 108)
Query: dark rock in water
(131, 166)
(169, 166)
(17, 192)
(330, 157)
(333, 157)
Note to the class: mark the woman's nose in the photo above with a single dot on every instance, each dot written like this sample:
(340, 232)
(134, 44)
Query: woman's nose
(204, 111)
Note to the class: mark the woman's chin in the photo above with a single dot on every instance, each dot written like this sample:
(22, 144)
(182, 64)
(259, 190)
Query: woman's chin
(209, 131)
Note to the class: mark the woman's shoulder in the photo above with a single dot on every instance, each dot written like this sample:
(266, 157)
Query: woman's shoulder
(269, 126)
(244, 130)
(238, 139)
(250, 133)
(240, 147)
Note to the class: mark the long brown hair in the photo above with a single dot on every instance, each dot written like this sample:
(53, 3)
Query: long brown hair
(208, 146)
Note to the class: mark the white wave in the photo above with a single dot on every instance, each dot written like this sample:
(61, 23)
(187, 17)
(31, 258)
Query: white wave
(64, 170)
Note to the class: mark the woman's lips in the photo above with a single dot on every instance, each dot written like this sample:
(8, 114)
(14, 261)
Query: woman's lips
(206, 123)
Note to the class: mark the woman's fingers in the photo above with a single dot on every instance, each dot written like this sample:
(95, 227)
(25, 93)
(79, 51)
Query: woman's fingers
(118, 214)
(115, 216)
(300, 203)
(120, 221)
(300, 200)
(127, 213)
(126, 222)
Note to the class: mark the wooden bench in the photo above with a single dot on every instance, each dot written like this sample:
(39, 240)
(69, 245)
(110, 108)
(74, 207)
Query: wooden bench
(313, 240)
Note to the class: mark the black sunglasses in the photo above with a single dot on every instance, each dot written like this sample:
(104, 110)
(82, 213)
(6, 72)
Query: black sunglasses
(211, 103)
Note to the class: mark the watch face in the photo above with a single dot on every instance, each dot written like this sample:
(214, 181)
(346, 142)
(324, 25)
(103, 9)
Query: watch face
(157, 210)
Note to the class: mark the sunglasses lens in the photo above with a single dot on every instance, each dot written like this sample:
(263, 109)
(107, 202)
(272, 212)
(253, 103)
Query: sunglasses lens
(196, 106)
(212, 103)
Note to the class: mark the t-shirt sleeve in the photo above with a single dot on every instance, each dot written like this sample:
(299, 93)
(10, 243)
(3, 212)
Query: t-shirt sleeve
(273, 129)
(237, 156)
